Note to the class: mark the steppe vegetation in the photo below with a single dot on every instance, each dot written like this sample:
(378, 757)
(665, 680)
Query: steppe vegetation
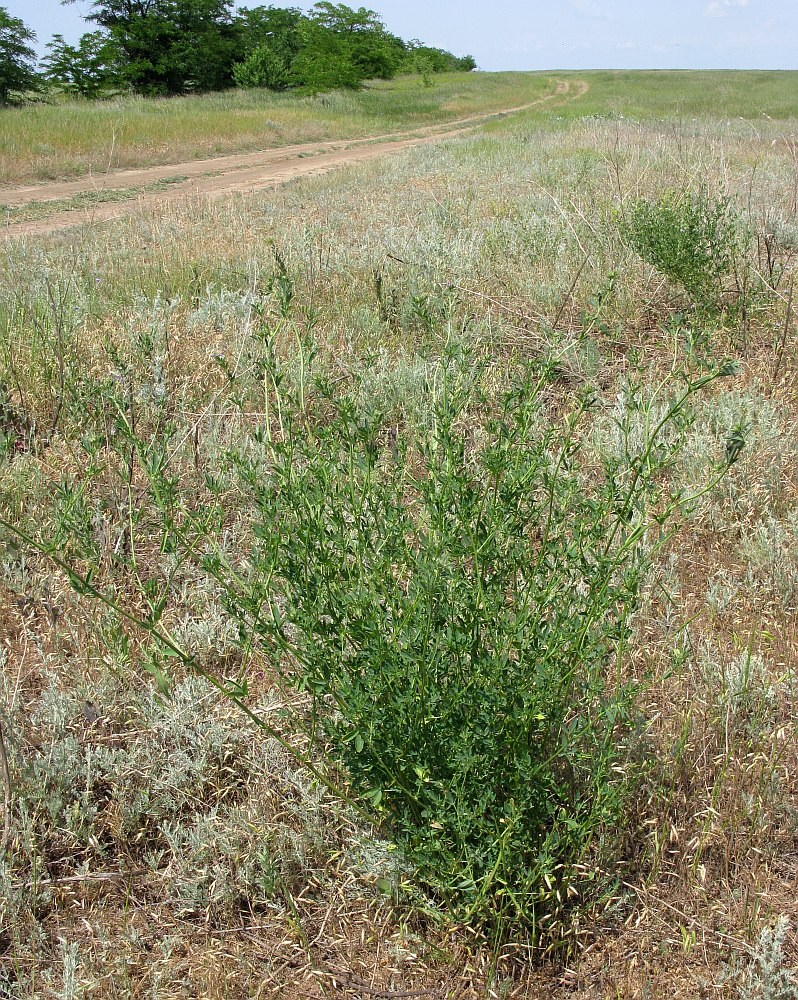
(399, 571)
(42, 142)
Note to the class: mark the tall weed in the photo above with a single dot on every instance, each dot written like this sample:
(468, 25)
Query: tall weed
(454, 603)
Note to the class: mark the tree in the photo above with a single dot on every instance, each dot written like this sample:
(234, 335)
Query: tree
(17, 58)
(345, 21)
(113, 14)
(88, 69)
(373, 50)
(171, 46)
(203, 45)
(174, 46)
(324, 62)
(271, 38)
(377, 54)
(263, 67)
(279, 28)
(427, 59)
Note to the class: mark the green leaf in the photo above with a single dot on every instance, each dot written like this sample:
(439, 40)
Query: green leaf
(374, 796)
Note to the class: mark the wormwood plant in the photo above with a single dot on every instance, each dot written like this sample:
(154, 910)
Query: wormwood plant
(765, 976)
(452, 603)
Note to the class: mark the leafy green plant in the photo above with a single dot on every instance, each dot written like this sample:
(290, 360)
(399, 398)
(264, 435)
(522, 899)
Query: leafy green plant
(263, 67)
(454, 605)
(690, 237)
(89, 69)
(17, 58)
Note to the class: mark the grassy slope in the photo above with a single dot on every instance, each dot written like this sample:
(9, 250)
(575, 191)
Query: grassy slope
(483, 240)
(74, 137)
(680, 94)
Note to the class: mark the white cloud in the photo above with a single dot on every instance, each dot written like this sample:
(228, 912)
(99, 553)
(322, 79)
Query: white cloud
(720, 8)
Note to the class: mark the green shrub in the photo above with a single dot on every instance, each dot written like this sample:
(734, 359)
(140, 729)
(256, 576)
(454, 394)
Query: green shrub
(263, 67)
(455, 604)
(689, 237)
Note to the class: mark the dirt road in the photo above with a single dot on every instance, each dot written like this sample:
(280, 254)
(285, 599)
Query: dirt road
(228, 174)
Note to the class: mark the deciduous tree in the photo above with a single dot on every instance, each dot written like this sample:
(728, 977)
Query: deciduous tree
(89, 68)
(171, 46)
(373, 50)
(17, 58)
(280, 28)
(324, 62)
(263, 67)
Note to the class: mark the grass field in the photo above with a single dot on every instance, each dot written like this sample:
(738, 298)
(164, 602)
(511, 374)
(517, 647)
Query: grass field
(400, 569)
(70, 138)
(685, 94)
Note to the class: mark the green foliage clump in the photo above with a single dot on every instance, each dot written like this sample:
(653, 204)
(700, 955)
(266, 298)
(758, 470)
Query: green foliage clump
(88, 69)
(276, 27)
(689, 237)
(455, 604)
(174, 46)
(17, 58)
(373, 50)
(427, 58)
(452, 602)
(325, 61)
(271, 38)
(170, 47)
(263, 67)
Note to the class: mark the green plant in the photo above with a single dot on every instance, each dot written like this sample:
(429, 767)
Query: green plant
(170, 48)
(89, 69)
(324, 62)
(488, 231)
(453, 603)
(17, 58)
(690, 237)
(263, 67)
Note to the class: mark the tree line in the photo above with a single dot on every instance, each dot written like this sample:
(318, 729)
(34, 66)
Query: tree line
(167, 47)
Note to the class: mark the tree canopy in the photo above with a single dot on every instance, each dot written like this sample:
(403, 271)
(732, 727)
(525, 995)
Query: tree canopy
(176, 46)
(170, 46)
(88, 68)
(17, 58)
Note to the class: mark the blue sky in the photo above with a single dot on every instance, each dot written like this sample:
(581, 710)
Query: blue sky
(564, 34)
